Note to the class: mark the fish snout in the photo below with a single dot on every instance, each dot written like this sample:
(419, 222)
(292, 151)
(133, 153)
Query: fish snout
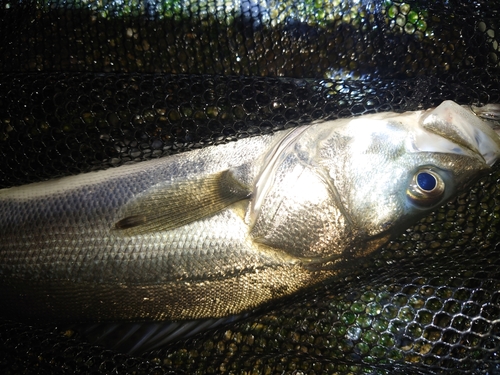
(466, 129)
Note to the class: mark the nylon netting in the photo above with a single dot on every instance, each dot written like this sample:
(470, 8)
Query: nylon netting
(87, 85)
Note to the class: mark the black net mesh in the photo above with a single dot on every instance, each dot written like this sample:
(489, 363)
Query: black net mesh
(88, 85)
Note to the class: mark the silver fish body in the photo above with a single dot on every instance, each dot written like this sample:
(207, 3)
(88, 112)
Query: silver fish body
(224, 229)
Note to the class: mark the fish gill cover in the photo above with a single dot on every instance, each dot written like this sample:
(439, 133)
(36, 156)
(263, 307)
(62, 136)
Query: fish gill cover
(88, 85)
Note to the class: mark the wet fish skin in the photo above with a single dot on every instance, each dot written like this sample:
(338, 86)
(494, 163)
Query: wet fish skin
(278, 213)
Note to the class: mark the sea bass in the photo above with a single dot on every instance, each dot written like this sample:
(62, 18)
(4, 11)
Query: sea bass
(224, 229)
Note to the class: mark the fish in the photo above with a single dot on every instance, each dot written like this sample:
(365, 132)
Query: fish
(413, 275)
(222, 230)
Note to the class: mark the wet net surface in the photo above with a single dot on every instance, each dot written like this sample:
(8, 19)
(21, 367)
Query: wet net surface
(89, 85)
(92, 85)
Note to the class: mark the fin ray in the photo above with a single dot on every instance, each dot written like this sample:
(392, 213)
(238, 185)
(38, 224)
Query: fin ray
(136, 338)
(169, 206)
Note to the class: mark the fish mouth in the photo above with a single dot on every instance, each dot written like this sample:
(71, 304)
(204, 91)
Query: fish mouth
(458, 130)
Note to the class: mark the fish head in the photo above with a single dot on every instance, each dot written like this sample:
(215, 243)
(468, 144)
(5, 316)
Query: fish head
(341, 189)
(388, 170)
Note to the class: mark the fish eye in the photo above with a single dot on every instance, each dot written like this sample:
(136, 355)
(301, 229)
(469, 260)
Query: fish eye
(426, 187)
(426, 181)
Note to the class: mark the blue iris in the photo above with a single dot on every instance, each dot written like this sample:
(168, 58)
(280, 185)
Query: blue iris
(426, 181)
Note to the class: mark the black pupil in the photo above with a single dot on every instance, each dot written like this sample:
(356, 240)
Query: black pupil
(426, 181)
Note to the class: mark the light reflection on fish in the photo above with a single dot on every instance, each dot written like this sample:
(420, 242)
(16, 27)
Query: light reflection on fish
(224, 229)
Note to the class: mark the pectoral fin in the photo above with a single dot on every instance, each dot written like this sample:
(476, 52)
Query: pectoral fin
(172, 205)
